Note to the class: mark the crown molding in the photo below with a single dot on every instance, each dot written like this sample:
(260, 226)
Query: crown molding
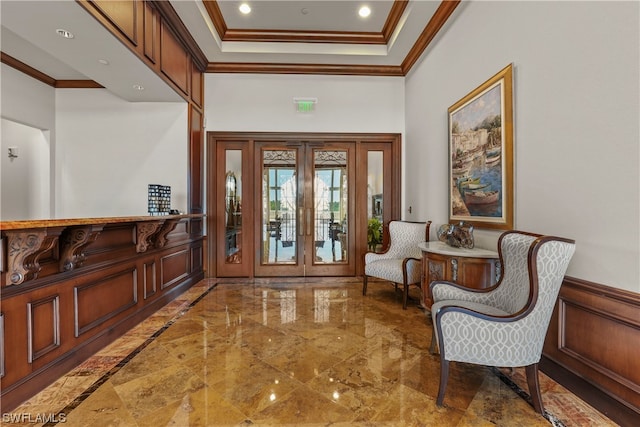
(436, 22)
(44, 78)
(27, 69)
(327, 69)
(77, 84)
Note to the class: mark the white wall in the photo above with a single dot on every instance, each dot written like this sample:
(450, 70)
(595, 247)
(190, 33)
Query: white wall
(109, 150)
(27, 101)
(25, 178)
(260, 102)
(576, 102)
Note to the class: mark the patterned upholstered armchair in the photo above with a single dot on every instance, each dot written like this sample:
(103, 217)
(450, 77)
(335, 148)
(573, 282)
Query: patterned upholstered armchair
(503, 326)
(402, 261)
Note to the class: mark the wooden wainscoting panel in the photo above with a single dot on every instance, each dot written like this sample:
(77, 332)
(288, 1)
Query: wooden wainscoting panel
(149, 287)
(197, 258)
(179, 233)
(594, 333)
(588, 348)
(43, 326)
(104, 298)
(196, 227)
(115, 241)
(2, 345)
(173, 268)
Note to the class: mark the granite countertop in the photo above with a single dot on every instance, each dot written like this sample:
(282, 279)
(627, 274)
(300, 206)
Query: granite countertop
(46, 223)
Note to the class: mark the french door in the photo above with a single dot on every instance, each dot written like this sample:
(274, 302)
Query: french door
(298, 204)
(306, 203)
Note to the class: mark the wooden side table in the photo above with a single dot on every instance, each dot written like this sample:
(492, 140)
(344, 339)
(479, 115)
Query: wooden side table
(474, 268)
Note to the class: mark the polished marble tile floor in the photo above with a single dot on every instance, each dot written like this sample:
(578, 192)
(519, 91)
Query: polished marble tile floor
(291, 353)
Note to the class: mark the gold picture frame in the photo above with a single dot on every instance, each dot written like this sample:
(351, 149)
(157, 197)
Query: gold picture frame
(481, 154)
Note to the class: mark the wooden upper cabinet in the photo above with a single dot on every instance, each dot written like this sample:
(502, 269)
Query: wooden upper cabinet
(147, 28)
(196, 152)
(151, 32)
(196, 85)
(174, 60)
(122, 14)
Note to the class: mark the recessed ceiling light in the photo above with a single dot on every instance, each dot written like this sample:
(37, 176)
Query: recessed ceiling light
(64, 33)
(103, 61)
(364, 11)
(138, 87)
(245, 8)
(304, 11)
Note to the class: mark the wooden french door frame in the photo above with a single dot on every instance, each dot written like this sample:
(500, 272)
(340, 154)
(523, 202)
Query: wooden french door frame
(307, 222)
(364, 142)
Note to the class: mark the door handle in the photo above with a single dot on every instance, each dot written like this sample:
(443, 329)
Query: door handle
(301, 216)
(308, 222)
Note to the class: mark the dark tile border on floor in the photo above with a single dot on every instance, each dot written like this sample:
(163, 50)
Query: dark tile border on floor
(555, 422)
(93, 387)
(610, 407)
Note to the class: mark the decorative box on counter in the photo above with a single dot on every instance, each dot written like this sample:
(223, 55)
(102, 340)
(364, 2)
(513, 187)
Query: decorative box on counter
(159, 199)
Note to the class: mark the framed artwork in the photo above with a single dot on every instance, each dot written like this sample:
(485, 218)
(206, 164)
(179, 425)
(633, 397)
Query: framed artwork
(481, 154)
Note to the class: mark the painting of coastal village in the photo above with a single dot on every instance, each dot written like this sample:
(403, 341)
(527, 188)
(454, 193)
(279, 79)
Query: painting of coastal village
(477, 150)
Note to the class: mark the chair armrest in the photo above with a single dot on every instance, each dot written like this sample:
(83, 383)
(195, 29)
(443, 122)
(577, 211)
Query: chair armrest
(471, 308)
(375, 256)
(405, 261)
(475, 310)
(443, 290)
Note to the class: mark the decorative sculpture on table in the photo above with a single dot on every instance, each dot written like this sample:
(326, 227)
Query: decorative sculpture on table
(456, 235)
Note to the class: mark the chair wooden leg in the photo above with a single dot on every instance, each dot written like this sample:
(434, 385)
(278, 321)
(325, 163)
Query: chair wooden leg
(432, 346)
(405, 296)
(534, 387)
(444, 377)
(364, 285)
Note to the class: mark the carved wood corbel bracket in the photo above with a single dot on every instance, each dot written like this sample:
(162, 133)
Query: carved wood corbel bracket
(161, 237)
(25, 247)
(73, 242)
(144, 230)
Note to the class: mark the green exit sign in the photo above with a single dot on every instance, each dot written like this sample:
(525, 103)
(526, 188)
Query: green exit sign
(305, 105)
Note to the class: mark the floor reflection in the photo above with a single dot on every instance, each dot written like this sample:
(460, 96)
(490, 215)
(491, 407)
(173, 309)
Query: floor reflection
(296, 353)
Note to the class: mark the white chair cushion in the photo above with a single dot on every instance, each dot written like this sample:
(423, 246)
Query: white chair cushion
(391, 269)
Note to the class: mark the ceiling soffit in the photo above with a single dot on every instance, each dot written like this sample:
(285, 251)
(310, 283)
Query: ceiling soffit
(301, 36)
(437, 21)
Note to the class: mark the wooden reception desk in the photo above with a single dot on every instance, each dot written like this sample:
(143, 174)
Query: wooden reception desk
(71, 286)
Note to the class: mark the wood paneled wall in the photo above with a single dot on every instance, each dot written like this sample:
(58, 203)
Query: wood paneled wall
(595, 334)
(52, 321)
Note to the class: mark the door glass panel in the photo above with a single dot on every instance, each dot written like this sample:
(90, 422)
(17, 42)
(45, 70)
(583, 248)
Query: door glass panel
(279, 207)
(233, 206)
(375, 182)
(330, 206)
